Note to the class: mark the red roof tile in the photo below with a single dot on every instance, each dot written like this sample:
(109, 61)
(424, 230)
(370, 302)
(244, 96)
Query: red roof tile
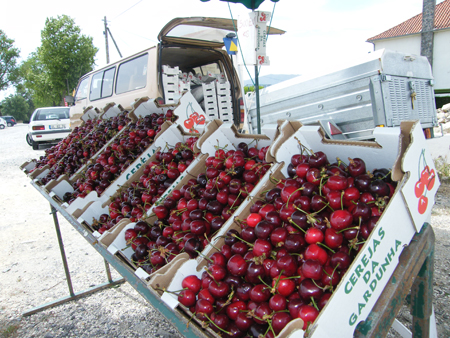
(414, 25)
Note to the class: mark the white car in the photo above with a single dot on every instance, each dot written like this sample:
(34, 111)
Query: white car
(48, 125)
(2, 123)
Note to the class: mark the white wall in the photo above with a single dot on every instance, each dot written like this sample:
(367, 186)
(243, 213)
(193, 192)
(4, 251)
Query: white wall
(441, 59)
(406, 44)
(441, 53)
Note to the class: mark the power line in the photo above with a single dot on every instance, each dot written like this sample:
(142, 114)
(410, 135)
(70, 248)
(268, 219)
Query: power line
(127, 10)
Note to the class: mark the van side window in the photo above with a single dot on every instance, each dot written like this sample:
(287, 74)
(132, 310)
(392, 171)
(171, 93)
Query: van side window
(102, 84)
(82, 91)
(132, 75)
(108, 79)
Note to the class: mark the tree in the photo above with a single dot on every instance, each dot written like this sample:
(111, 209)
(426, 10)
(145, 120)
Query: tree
(8, 60)
(63, 57)
(15, 105)
(36, 81)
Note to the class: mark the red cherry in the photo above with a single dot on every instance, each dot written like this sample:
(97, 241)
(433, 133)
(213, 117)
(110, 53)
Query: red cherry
(341, 219)
(308, 314)
(423, 204)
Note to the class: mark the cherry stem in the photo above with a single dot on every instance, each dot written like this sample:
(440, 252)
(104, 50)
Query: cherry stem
(260, 278)
(249, 244)
(356, 227)
(207, 258)
(326, 247)
(209, 242)
(228, 333)
(291, 221)
(314, 303)
(314, 282)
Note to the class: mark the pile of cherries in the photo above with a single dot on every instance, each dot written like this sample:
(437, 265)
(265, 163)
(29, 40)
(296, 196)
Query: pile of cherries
(76, 149)
(57, 152)
(118, 155)
(284, 260)
(158, 175)
(187, 219)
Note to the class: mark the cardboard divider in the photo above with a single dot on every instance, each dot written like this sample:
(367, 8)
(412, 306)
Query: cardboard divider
(39, 173)
(27, 166)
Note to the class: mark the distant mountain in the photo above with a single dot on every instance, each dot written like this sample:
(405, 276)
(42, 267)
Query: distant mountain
(271, 79)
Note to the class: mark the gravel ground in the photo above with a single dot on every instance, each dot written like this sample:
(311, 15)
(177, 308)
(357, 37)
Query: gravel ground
(31, 272)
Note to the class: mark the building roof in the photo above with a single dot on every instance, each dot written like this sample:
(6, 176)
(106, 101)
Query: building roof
(414, 25)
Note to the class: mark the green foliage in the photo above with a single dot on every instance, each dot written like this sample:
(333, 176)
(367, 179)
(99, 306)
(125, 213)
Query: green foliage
(251, 89)
(9, 331)
(36, 81)
(442, 167)
(17, 106)
(8, 60)
(63, 57)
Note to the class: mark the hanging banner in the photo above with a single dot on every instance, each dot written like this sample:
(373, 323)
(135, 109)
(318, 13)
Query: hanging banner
(252, 34)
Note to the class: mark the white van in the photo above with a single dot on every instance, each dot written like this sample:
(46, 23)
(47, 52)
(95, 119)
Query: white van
(189, 47)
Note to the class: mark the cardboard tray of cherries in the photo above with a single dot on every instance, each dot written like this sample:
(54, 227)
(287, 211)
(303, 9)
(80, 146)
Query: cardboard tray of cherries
(314, 249)
(111, 166)
(71, 154)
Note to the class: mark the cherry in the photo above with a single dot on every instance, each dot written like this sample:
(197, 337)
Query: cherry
(243, 322)
(333, 239)
(356, 167)
(341, 219)
(308, 314)
(187, 298)
(308, 289)
(314, 235)
(280, 320)
(259, 293)
(312, 269)
(237, 265)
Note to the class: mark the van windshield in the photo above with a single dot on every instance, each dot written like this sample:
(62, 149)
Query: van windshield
(82, 91)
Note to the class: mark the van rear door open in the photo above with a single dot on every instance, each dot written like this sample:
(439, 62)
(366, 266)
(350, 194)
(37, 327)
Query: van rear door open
(187, 46)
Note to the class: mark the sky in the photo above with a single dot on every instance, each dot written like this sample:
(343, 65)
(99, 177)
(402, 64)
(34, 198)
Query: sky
(321, 35)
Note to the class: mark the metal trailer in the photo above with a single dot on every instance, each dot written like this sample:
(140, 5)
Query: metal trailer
(387, 88)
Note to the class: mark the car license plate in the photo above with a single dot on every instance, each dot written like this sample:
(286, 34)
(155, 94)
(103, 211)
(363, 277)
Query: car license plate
(57, 126)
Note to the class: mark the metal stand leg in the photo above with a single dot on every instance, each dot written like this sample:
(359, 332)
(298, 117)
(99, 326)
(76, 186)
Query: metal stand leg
(414, 272)
(73, 295)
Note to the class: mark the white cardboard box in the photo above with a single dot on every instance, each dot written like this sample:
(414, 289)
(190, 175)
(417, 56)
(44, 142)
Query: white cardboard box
(402, 149)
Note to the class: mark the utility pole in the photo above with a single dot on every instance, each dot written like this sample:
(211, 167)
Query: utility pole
(106, 41)
(427, 34)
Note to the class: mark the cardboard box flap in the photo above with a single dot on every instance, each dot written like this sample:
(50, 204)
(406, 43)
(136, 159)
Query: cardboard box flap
(93, 212)
(422, 181)
(145, 106)
(28, 165)
(284, 131)
(188, 268)
(190, 115)
(310, 138)
(110, 235)
(227, 136)
(90, 113)
(111, 110)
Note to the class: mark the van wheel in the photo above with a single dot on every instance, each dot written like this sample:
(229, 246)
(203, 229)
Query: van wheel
(29, 140)
(2, 126)
(35, 145)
